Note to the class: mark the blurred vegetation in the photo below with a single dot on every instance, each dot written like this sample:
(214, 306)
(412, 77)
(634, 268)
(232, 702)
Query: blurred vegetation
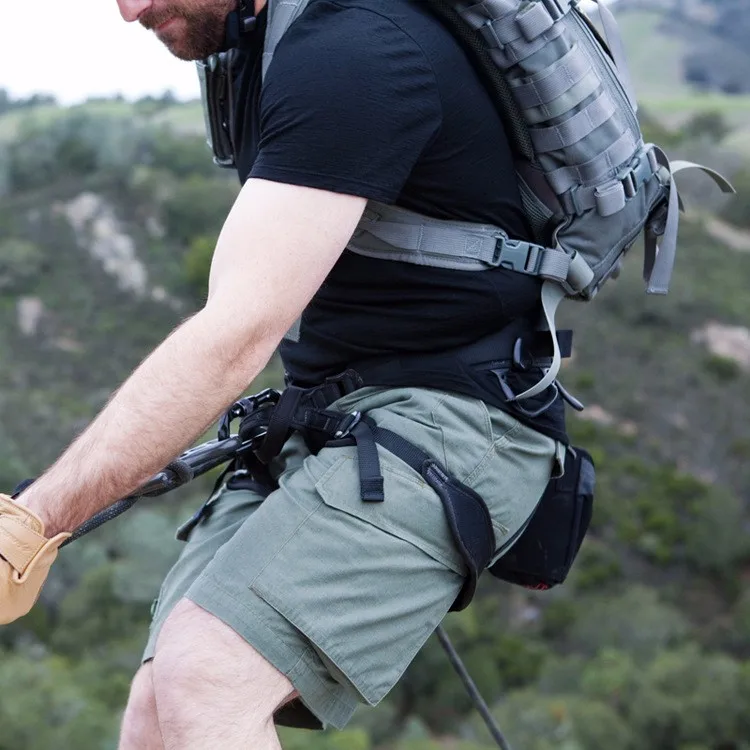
(646, 647)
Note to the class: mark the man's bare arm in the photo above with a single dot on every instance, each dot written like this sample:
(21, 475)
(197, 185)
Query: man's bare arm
(277, 246)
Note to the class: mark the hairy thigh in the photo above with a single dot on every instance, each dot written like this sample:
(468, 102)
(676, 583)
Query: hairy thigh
(199, 656)
(140, 724)
(142, 689)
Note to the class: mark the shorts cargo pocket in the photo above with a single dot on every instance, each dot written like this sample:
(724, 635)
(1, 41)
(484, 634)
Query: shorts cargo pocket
(367, 583)
(411, 512)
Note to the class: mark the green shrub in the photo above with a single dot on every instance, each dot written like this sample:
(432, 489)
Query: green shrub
(43, 706)
(723, 369)
(740, 624)
(633, 620)
(687, 697)
(350, 739)
(558, 617)
(198, 264)
(740, 448)
(596, 566)
(737, 209)
(715, 540)
(611, 676)
(711, 126)
(584, 380)
(198, 207)
(21, 262)
(181, 155)
(672, 517)
(75, 143)
(534, 722)
(92, 615)
(654, 131)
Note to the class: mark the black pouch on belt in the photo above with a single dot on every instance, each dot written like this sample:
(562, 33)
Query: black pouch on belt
(544, 553)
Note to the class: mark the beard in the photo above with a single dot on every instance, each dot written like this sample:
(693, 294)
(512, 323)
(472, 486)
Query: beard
(196, 28)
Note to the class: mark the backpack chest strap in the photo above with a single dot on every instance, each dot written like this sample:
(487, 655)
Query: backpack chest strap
(394, 233)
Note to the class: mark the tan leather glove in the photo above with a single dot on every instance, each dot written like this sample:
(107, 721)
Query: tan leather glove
(26, 556)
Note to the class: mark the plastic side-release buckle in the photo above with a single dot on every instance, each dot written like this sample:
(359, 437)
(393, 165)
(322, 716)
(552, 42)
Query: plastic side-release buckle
(518, 255)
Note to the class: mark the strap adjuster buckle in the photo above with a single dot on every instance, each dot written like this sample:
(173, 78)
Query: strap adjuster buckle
(629, 182)
(637, 173)
(348, 423)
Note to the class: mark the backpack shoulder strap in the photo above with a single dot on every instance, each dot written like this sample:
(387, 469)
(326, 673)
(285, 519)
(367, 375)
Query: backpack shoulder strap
(281, 15)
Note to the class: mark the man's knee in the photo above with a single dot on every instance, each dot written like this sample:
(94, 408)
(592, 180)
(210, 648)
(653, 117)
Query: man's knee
(202, 662)
(140, 725)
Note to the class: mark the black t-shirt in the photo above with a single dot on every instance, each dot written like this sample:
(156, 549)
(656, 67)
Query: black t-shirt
(376, 98)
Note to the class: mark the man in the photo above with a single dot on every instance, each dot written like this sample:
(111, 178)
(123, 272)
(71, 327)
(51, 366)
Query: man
(302, 605)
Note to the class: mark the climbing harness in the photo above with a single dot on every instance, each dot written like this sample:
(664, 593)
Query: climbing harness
(268, 419)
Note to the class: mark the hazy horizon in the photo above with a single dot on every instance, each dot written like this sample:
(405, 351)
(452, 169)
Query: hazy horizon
(64, 58)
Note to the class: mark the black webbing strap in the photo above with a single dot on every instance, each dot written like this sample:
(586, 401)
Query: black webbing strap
(515, 347)
(466, 512)
(370, 477)
(334, 388)
(282, 417)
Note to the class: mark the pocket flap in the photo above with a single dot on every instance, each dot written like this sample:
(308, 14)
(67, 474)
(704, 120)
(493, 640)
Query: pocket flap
(412, 511)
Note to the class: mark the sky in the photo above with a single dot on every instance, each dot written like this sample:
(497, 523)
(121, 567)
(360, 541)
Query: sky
(75, 49)
(80, 48)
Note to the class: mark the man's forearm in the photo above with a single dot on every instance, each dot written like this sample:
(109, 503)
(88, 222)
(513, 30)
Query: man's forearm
(162, 409)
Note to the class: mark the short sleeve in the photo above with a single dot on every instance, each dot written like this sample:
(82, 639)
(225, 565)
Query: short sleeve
(349, 104)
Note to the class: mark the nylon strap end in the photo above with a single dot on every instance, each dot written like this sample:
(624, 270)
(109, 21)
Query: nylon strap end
(552, 295)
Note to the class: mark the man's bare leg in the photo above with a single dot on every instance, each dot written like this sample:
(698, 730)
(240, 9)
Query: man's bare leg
(140, 724)
(212, 688)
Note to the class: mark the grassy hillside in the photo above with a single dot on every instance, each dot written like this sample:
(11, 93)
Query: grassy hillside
(182, 118)
(650, 49)
(657, 48)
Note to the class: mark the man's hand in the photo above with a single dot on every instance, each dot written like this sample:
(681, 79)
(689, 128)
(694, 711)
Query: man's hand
(26, 556)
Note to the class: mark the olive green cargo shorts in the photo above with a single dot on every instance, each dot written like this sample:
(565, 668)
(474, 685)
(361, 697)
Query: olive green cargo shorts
(339, 594)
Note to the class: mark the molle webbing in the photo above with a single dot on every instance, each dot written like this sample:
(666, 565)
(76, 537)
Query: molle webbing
(491, 75)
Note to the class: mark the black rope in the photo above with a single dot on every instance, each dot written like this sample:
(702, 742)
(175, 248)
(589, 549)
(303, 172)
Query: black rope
(472, 690)
(101, 518)
(177, 473)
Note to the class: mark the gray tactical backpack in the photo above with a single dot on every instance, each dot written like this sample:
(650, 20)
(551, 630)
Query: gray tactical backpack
(589, 183)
